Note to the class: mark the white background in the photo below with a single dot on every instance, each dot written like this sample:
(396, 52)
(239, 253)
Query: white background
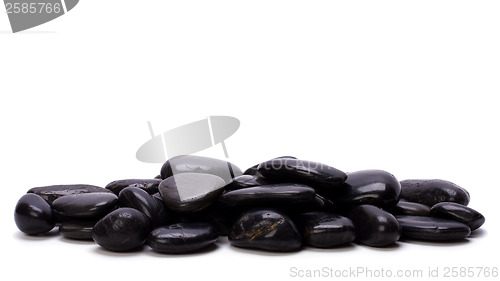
(405, 86)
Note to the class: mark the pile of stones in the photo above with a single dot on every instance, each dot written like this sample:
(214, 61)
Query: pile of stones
(279, 205)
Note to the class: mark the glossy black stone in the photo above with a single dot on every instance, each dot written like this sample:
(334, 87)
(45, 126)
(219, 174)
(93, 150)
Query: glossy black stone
(182, 237)
(411, 209)
(431, 192)
(124, 229)
(52, 192)
(274, 194)
(139, 199)
(33, 215)
(317, 175)
(458, 212)
(432, 229)
(245, 181)
(199, 164)
(372, 187)
(191, 192)
(374, 226)
(78, 230)
(265, 229)
(324, 230)
(85, 205)
(148, 185)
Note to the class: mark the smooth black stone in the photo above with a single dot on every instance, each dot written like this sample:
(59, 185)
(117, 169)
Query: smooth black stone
(458, 212)
(432, 229)
(33, 215)
(124, 229)
(199, 164)
(78, 230)
(52, 192)
(411, 209)
(274, 194)
(374, 226)
(191, 192)
(148, 185)
(325, 230)
(265, 229)
(372, 187)
(245, 181)
(139, 199)
(182, 237)
(431, 192)
(85, 205)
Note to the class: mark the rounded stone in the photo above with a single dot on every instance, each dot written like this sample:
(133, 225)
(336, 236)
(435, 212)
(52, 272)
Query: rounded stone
(191, 192)
(265, 229)
(199, 164)
(374, 226)
(52, 192)
(411, 209)
(432, 229)
(85, 205)
(458, 212)
(270, 195)
(148, 185)
(78, 230)
(324, 230)
(431, 192)
(372, 187)
(124, 229)
(139, 199)
(33, 215)
(182, 237)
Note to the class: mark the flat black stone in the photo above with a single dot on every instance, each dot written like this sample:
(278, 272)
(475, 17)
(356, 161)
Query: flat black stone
(191, 192)
(148, 185)
(432, 229)
(274, 194)
(315, 174)
(124, 229)
(199, 164)
(139, 199)
(458, 212)
(431, 192)
(265, 229)
(78, 230)
(182, 237)
(411, 209)
(372, 187)
(33, 215)
(374, 226)
(52, 192)
(245, 181)
(85, 205)
(325, 230)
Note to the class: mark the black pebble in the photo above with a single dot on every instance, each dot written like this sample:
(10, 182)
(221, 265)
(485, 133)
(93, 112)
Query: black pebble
(374, 226)
(139, 199)
(85, 205)
(459, 213)
(431, 192)
(78, 230)
(52, 192)
(33, 215)
(265, 229)
(124, 229)
(411, 209)
(324, 230)
(432, 229)
(182, 237)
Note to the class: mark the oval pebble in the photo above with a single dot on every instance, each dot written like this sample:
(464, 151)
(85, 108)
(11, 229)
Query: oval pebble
(85, 205)
(33, 215)
(78, 230)
(324, 230)
(458, 212)
(265, 229)
(124, 229)
(432, 229)
(52, 192)
(139, 199)
(374, 226)
(182, 237)
(431, 192)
